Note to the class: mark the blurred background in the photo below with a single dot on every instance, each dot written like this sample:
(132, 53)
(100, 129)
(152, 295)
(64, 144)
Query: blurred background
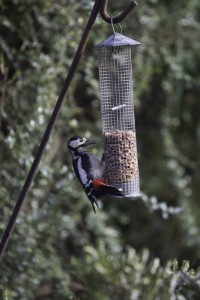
(148, 248)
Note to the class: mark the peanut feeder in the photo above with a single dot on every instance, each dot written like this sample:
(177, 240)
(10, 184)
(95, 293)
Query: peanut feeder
(117, 109)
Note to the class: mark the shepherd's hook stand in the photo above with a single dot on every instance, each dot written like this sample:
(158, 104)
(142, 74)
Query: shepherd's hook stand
(99, 6)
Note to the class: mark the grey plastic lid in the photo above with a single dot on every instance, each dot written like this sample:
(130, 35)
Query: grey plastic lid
(117, 39)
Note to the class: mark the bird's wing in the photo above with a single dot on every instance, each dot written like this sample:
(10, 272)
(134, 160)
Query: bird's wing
(93, 165)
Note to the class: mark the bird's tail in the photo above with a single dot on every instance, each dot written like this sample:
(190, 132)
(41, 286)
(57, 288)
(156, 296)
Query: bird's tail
(94, 201)
(101, 188)
(97, 188)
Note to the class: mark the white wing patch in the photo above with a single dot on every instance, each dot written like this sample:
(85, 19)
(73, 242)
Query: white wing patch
(82, 173)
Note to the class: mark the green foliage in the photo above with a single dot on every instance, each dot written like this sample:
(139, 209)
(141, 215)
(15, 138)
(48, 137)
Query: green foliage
(143, 249)
(133, 276)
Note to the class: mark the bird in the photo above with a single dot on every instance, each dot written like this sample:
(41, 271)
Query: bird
(89, 170)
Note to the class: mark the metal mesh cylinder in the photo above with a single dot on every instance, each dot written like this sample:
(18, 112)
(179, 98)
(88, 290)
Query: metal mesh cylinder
(118, 122)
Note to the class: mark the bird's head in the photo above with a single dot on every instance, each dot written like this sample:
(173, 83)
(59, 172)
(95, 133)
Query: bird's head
(78, 142)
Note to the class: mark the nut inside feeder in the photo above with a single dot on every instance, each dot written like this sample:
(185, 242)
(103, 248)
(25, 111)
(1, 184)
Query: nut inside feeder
(117, 109)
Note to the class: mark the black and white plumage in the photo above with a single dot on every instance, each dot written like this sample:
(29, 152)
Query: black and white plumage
(89, 170)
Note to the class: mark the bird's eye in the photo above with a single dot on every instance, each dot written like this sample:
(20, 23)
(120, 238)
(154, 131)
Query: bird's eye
(81, 140)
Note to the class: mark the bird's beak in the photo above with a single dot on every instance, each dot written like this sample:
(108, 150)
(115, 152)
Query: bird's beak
(90, 142)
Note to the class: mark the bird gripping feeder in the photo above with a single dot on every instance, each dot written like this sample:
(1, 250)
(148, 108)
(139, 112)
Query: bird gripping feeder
(117, 109)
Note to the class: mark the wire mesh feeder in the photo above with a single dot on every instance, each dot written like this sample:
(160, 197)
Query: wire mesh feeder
(117, 109)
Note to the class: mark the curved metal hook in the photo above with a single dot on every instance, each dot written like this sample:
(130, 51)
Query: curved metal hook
(113, 28)
(120, 17)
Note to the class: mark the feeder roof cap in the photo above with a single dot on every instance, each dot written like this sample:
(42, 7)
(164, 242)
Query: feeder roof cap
(117, 40)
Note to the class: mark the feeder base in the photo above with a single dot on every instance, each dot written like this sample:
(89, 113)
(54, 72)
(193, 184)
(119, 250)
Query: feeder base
(130, 197)
(130, 189)
(136, 195)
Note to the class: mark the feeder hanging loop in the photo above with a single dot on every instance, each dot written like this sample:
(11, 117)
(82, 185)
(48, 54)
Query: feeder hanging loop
(120, 17)
(113, 28)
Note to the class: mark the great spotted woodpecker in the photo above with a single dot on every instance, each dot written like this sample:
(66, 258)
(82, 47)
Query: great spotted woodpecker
(89, 170)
